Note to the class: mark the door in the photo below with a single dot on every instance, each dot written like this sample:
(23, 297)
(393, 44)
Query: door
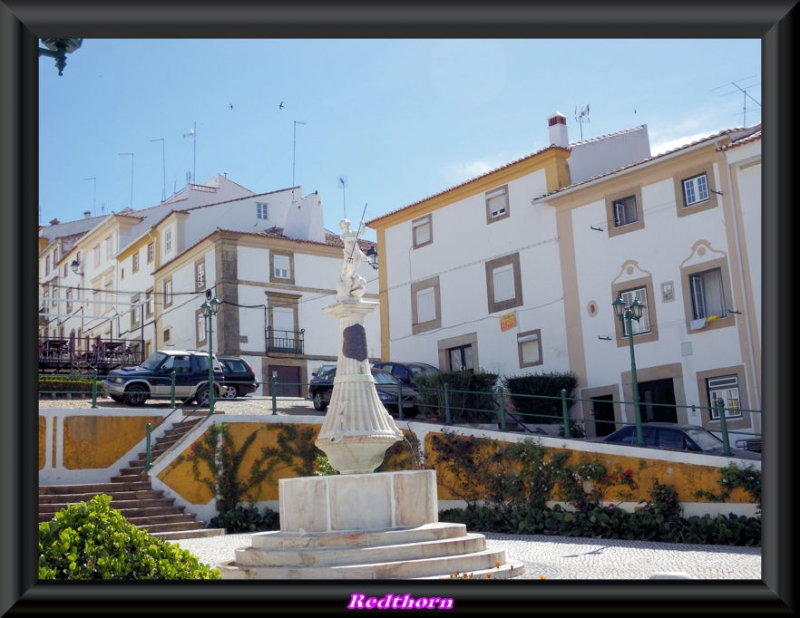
(603, 412)
(657, 401)
(287, 381)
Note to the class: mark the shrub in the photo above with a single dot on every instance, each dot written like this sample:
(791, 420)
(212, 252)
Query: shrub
(246, 519)
(471, 396)
(537, 397)
(66, 384)
(90, 540)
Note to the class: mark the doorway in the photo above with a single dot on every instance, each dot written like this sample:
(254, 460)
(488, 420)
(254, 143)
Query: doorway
(287, 381)
(657, 401)
(603, 413)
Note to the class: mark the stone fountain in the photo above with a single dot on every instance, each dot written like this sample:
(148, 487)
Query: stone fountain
(360, 524)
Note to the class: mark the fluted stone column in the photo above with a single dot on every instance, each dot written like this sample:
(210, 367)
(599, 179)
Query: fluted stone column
(357, 430)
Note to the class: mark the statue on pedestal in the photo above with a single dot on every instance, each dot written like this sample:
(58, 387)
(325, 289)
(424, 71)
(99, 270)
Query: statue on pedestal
(352, 285)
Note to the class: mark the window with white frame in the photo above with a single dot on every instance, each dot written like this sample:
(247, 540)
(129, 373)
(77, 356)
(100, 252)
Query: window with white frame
(167, 292)
(727, 389)
(529, 347)
(425, 305)
(708, 294)
(201, 326)
(47, 265)
(65, 270)
(96, 255)
(136, 312)
(625, 211)
(641, 325)
(695, 190)
(497, 206)
(135, 262)
(200, 275)
(503, 283)
(422, 231)
(55, 257)
(261, 211)
(68, 295)
(148, 303)
(167, 241)
(281, 267)
(151, 252)
(109, 247)
(460, 358)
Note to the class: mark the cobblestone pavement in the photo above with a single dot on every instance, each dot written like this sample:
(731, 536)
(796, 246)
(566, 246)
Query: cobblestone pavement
(544, 556)
(554, 557)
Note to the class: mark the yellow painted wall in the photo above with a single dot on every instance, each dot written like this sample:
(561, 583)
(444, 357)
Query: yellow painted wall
(42, 441)
(100, 441)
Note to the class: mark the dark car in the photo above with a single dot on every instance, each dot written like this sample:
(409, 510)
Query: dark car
(406, 372)
(184, 371)
(321, 387)
(674, 437)
(239, 380)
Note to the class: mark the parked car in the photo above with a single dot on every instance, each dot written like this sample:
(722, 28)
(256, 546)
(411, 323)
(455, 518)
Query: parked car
(321, 387)
(153, 378)
(324, 369)
(675, 437)
(406, 372)
(239, 379)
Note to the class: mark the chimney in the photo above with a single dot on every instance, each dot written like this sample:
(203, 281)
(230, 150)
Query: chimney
(54, 222)
(557, 124)
(87, 214)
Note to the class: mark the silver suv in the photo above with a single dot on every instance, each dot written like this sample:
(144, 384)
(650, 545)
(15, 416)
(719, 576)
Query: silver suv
(159, 373)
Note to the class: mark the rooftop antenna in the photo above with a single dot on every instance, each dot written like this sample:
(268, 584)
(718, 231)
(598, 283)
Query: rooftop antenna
(579, 116)
(193, 134)
(343, 182)
(164, 166)
(294, 150)
(94, 195)
(745, 96)
(129, 154)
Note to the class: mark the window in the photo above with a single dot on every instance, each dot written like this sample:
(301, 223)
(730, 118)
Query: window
(460, 358)
(200, 320)
(529, 347)
(136, 312)
(135, 262)
(503, 283)
(727, 389)
(55, 257)
(200, 275)
(151, 252)
(695, 190)
(148, 303)
(708, 297)
(167, 292)
(426, 306)
(68, 295)
(281, 268)
(422, 231)
(167, 335)
(65, 269)
(96, 255)
(261, 211)
(643, 324)
(625, 211)
(497, 204)
(109, 241)
(47, 265)
(168, 241)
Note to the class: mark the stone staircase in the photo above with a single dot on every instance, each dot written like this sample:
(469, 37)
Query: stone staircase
(133, 495)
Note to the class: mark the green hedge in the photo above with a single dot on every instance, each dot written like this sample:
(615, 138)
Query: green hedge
(537, 397)
(472, 396)
(64, 384)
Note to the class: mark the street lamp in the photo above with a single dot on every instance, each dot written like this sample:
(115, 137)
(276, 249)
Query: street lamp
(210, 308)
(626, 314)
(58, 49)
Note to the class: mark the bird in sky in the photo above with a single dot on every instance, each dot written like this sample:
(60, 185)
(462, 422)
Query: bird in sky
(231, 104)
(281, 105)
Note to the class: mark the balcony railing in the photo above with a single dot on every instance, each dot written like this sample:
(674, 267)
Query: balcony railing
(285, 341)
(82, 354)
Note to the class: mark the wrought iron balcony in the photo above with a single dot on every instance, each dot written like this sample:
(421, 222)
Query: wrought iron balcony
(285, 341)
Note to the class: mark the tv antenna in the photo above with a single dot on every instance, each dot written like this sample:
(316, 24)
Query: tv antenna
(745, 96)
(579, 116)
(193, 134)
(343, 182)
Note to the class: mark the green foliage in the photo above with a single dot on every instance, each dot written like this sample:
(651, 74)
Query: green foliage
(537, 397)
(732, 476)
(247, 519)
(90, 540)
(323, 467)
(470, 396)
(402, 455)
(64, 384)
(507, 488)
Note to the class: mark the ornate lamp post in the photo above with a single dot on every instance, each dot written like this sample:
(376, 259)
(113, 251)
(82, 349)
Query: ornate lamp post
(58, 49)
(210, 308)
(625, 315)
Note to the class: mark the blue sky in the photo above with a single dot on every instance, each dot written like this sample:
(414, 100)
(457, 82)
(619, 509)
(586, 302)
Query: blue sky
(376, 124)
